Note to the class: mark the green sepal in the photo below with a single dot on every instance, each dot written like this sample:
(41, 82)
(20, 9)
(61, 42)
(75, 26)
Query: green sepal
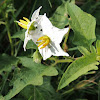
(32, 26)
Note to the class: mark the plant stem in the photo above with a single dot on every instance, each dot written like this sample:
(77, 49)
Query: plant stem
(9, 34)
(7, 74)
(61, 61)
(66, 92)
(16, 51)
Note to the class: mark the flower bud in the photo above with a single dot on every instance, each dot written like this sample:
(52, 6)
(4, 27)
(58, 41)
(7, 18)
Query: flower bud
(37, 57)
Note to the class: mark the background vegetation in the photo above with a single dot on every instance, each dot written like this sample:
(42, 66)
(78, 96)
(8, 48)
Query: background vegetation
(86, 87)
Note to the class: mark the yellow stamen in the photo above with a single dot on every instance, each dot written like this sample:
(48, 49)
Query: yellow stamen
(45, 41)
(26, 19)
(22, 25)
(24, 22)
(41, 43)
(41, 38)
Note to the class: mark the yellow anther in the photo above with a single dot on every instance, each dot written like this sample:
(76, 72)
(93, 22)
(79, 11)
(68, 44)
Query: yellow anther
(41, 38)
(41, 43)
(26, 19)
(45, 41)
(22, 25)
(24, 22)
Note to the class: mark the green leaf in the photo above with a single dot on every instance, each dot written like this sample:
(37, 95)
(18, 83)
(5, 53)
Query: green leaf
(31, 74)
(83, 25)
(1, 98)
(92, 49)
(20, 34)
(31, 45)
(79, 67)
(43, 92)
(7, 62)
(59, 18)
(83, 50)
(98, 47)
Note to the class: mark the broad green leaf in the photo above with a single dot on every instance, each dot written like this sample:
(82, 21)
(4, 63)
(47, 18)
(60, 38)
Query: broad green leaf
(7, 62)
(59, 18)
(79, 67)
(31, 74)
(98, 47)
(43, 92)
(83, 25)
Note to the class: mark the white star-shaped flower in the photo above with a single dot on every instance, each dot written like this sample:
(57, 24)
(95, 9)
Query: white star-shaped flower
(50, 38)
(46, 36)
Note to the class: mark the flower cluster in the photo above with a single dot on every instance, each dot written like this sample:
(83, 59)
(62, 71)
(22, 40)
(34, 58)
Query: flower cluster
(46, 36)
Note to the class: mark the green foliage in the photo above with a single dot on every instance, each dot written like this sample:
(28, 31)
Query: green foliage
(59, 18)
(37, 57)
(7, 62)
(79, 67)
(1, 98)
(82, 24)
(31, 45)
(83, 50)
(41, 92)
(30, 74)
(20, 34)
(25, 78)
(98, 47)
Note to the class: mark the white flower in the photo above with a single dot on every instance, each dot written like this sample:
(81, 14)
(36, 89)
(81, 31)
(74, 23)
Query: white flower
(50, 39)
(46, 36)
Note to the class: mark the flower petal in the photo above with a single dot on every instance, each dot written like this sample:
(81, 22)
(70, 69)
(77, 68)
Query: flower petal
(27, 38)
(51, 31)
(57, 50)
(52, 49)
(45, 52)
(58, 34)
(36, 13)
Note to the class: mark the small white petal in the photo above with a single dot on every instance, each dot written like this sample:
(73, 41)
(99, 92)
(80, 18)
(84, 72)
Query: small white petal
(45, 52)
(27, 38)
